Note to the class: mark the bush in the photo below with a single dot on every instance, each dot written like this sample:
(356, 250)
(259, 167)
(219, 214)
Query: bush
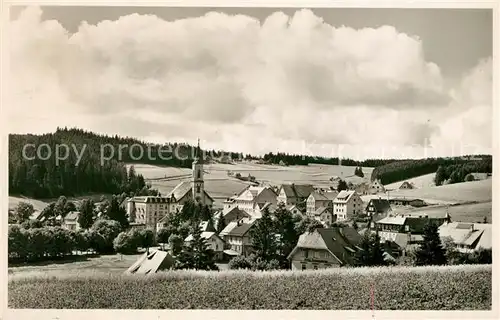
(125, 243)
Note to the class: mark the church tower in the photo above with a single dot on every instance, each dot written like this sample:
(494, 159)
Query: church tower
(197, 182)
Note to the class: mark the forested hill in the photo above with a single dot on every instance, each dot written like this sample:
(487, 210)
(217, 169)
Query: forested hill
(44, 175)
(294, 159)
(407, 169)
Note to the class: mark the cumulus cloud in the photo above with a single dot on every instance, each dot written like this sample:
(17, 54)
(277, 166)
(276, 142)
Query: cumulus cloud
(242, 84)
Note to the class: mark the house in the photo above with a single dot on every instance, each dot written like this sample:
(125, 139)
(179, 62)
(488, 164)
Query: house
(148, 210)
(468, 237)
(325, 248)
(233, 214)
(237, 237)
(151, 262)
(405, 230)
(251, 200)
(325, 215)
(294, 209)
(407, 202)
(318, 200)
(213, 241)
(376, 187)
(347, 204)
(406, 185)
(378, 206)
(70, 221)
(291, 194)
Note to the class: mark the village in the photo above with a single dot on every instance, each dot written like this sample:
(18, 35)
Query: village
(342, 217)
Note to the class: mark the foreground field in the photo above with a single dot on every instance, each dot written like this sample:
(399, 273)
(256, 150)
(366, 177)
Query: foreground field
(415, 288)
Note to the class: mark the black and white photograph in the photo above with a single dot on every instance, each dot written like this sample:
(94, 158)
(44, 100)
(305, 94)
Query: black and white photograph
(293, 158)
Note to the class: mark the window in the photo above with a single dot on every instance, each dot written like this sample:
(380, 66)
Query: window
(306, 253)
(198, 175)
(304, 266)
(216, 247)
(197, 189)
(315, 267)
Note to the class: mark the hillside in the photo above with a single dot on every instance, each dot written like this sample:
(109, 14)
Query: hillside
(407, 169)
(424, 181)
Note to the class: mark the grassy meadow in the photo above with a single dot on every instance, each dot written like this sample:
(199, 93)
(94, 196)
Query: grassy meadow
(397, 288)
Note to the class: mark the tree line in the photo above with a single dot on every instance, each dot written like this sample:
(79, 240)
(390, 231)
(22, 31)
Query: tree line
(407, 169)
(294, 159)
(456, 173)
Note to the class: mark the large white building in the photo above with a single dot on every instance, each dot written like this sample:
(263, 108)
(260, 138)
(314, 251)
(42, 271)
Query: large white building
(150, 210)
(252, 199)
(347, 204)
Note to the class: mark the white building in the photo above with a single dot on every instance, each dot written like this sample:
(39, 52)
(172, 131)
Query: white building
(148, 210)
(252, 200)
(347, 204)
(468, 237)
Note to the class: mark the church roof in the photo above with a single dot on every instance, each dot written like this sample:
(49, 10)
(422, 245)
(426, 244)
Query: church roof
(182, 189)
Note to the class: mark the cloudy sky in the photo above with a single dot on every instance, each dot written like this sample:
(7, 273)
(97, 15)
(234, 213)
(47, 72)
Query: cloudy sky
(358, 83)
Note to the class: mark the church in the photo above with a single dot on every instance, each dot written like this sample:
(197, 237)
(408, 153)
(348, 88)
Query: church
(148, 211)
(193, 189)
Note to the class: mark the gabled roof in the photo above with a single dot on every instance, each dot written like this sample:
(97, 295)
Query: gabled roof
(318, 196)
(341, 242)
(236, 210)
(297, 190)
(255, 191)
(380, 205)
(237, 229)
(148, 264)
(73, 215)
(468, 233)
(322, 210)
(205, 235)
(182, 189)
(148, 199)
(407, 184)
(344, 195)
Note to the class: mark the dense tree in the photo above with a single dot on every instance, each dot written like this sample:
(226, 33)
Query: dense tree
(431, 251)
(41, 176)
(196, 254)
(147, 238)
(372, 253)
(32, 224)
(342, 186)
(263, 235)
(162, 235)
(24, 211)
(307, 224)
(104, 232)
(221, 223)
(294, 159)
(359, 172)
(117, 213)
(175, 242)
(124, 243)
(288, 235)
(87, 215)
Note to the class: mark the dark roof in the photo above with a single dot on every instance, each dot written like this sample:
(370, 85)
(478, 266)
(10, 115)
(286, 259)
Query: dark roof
(380, 205)
(241, 230)
(342, 242)
(297, 190)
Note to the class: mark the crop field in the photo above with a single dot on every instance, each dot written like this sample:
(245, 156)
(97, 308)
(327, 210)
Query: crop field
(398, 288)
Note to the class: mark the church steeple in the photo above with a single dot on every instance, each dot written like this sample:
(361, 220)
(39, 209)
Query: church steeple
(197, 172)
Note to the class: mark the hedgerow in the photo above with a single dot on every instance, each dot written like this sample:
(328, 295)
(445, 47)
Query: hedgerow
(395, 288)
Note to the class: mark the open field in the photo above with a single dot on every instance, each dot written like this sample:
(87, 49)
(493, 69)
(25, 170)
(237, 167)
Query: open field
(475, 191)
(398, 288)
(39, 205)
(473, 212)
